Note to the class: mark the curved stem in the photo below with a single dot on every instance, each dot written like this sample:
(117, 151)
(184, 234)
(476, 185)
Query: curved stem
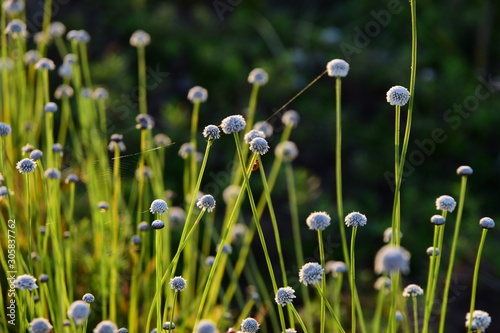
(352, 277)
(475, 277)
(335, 318)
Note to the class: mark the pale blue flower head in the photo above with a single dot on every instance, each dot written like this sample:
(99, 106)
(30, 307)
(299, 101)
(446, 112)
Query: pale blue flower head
(5, 129)
(355, 219)
(487, 223)
(65, 71)
(197, 94)
(50, 107)
(106, 326)
(178, 283)
(157, 224)
(45, 64)
(25, 281)
(311, 273)
(144, 122)
(432, 251)
(284, 296)
(480, 319)
(318, 221)
(464, 170)
(258, 76)
(233, 124)
(259, 145)
(337, 68)
(398, 95)
(31, 57)
(140, 38)
(211, 132)
(16, 28)
(249, 325)
(445, 202)
(79, 312)
(287, 151)
(412, 290)
(168, 325)
(88, 298)
(335, 267)
(40, 325)
(388, 235)
(265, 127)
(63, 91)
(100, 94)
(52, 173)
(158, 206)
(390, 259)
(253, 134)
(205, 326)
(13, 7)
(206, 202)
(57, 29)
(26, 165)
(185, 150)
(438, 220)
(290, 118)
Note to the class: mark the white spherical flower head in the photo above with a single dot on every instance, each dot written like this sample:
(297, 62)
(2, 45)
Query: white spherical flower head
(311, 273)
(398, 95)
(140, 38)
(144, 121)
(445, 202)
(233, 124)
(100, 94)
(464, 170)
(157, 224)
(79, 312)
(388, 235)
(178, 283)
(13, 7)
(265, 127)
(284, 296)
(45, 64)
(432, 251)
(480, 319)
(26, 165)
(390, 259)
(318, 221)
(211, 132)
(25, 281)
(290, 118)
(106, 326)
(259, 145)
(355, 219)
(258, 76)
(337, 68)
(335, 267)
(197, 94)
(287, 151)
(40, 325)
(412, 290)
(16, 28)
(64, 91)
(124, 330)
(226, 248)
(438, 220)
(52, 173)
(31, 57)
(158, 206)
(206, 202)
(290, 330)
(57, 29)
(50, 107)
(186, 150)
(487, 223)
(399, 317)
(205, 326)
(254, 134)
(88, 298)
(249, 325)
(5, 129)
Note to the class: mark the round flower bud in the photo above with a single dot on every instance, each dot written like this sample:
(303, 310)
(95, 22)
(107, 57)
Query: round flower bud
(36, 154)
(249, 325)
(233, 124)
(88, 298)
(26, 165)
(412, 290)
(464, 170)
(157, 224)
(31, 57)
(65, 71)
(259, 146)
(186, 150)
(487, 223)
(52, 173)
(205, 326)
(391, 259)
(79, 312)
(3, 192)
(178, 283)
(16, 28)
(388, 235)
(40, 325)
(318, 221)
(355, 219)
(335, 267)
(27, 148)
(432, 251)
(123, 330)
(480, 319)
(290, 118)
(136, 239)
(168, 325)
(284, 296)
(140, 38)
(57, 148)
(143, 226)
(253, 134)
(226, 248)
(56, 29)
(50, 107)
(211, 132)
(71, 178)
(64, 91)
(66, 323)
(398, 95)
(438, 220)
(161, 140)
(144, 122)
(158, 206)
(311, 273)
(43, 278)
(206, 202)
(209, 261)
(13, 7)
(81, 36)
(4, 129)
(197, 94)
(264, 127)
(258, 76)
(337, 68)
(445, 202)
(100, 93)
(105, 326)
(45, 64)
(287, 151)
(399, 316)
(70, 59)
(86, 93)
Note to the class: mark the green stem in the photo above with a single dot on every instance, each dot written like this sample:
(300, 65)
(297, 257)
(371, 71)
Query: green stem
(159, 293)
(172, 313)
(141, 64)
(352, 277)
(415, 314)
(378, 310)
(323, 282)
(323, 296)
(475, 278)
(297, 315)
(449, 272)
(430, 279)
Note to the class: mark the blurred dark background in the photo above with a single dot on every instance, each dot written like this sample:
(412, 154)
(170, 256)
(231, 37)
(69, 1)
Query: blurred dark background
(215, 44)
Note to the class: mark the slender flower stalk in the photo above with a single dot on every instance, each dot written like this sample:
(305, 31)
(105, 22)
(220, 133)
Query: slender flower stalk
(332, 313)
